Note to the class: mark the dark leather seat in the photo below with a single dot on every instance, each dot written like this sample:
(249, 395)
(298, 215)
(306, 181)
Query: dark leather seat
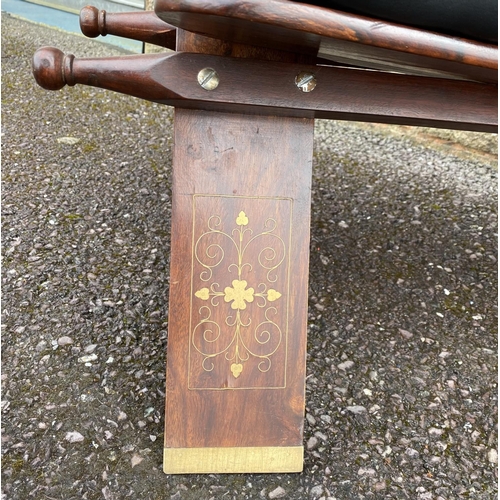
(472, 19)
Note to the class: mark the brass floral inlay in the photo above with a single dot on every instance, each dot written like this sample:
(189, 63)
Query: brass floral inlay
(239, 294)
(203, 294)
(208, 337)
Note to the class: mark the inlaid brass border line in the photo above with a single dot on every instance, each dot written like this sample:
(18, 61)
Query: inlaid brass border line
(264, 459)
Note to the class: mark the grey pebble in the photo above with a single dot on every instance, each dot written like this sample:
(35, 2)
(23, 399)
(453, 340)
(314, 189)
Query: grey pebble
(356, 409)
(345, 365)
(63, 341)
(367, 471)
(88, 359)
(107, 494)
(411, 452)
(278, 492)
(321, 436)
(312, 442)
(405, 334)
(433, 431)
(74, 437)
(41, 346)
(493, 456)
(310, 419)
(317, 491)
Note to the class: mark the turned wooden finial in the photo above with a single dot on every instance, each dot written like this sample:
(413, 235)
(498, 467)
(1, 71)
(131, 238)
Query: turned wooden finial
(93, 22)
(144, 26)
(52, 69)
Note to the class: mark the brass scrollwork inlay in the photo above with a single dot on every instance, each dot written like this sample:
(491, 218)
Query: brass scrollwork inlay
(248, 253)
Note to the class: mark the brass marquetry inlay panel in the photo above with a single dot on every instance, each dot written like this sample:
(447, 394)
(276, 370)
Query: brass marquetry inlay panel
(239, 300)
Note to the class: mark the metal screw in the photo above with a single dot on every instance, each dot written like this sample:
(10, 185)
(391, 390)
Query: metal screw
(305, 81)
(208, 78)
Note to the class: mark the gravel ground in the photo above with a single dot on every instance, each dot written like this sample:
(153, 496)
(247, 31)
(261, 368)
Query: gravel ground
(402, 353)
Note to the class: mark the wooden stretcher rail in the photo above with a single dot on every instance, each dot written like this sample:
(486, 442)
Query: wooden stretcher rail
(269, 88)
(334, 35)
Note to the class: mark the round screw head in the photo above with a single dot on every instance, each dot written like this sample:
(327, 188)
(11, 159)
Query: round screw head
(208, 78)
(305, 81)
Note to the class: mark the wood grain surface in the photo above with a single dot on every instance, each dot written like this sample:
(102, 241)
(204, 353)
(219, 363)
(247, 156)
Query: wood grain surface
(142, 26)
(334, 35)
(235, 370)
(268, 87)
(238, 291)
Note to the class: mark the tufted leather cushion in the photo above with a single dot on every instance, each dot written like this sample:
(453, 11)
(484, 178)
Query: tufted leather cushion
(473, 19)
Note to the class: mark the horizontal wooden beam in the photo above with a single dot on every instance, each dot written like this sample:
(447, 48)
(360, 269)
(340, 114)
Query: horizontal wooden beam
(335, 35)
(271, 88)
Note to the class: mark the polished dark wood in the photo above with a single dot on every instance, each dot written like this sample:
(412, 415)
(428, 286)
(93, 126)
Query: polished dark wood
(143, 26)
(257, 165)
(334, 35)
(268, 87)
(191, 42)
(241, 193)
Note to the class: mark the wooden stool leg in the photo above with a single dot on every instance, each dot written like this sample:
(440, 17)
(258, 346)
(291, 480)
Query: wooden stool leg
(238, 293)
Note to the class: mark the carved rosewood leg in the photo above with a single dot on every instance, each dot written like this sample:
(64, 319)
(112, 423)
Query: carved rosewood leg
(238, 293)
